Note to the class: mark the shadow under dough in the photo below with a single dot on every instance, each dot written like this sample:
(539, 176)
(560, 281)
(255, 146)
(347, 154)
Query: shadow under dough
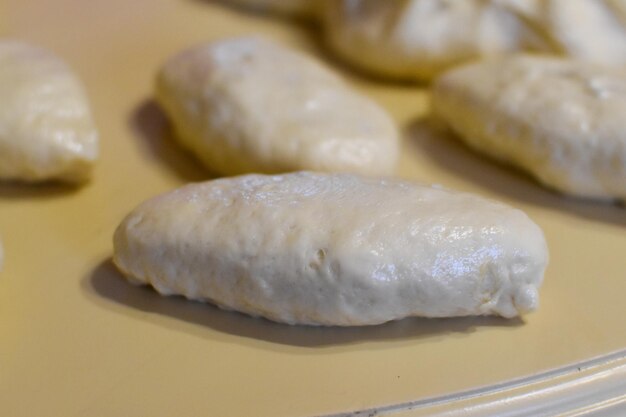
(434, 140)
(44, 190)
(106, 282)
(152, 127)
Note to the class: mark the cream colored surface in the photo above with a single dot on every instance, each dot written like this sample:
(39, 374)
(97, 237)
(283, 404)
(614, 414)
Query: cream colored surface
(78, 340)
(46, 129)
(335, 249)
(560, 120)
(589, 30)
(417, 39)
(249, 105)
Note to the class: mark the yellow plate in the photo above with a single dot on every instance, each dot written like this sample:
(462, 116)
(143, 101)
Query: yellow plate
(76, 340)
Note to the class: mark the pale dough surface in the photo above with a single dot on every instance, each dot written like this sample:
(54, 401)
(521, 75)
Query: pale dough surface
(248, 105)
(588, 30)
(334, 249)
(46, 127)
(418, 39)
(560, 120)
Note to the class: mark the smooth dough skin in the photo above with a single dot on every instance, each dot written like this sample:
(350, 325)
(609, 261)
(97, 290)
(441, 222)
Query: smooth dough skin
(588, 30)
(562, 121)
(334, 249)
(247, 105)
(46, 128)
(417, 39)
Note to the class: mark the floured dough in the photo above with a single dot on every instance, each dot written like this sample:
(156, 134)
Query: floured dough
(562, 121)
(46, 128)
(300, 8)
(417, 39)
(248, 105)
(334, 249)
(589, 30)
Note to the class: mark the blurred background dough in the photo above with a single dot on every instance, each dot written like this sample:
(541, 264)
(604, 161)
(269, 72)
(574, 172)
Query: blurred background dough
(250, 105)
(558, 119)
(417, 39)
(46, 128)
(588, 30)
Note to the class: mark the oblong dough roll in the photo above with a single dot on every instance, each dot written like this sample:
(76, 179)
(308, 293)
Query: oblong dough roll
(560, 120)
(587, 30)
(247, 105)
(334, 249)
(417, 39)
(46, 128)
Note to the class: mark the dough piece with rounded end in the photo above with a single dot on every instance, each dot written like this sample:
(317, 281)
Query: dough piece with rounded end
(334, 249)
(417, 39)
(46, 128)
(298, 8)
(589, 30)
(560, 120)
(247, 105)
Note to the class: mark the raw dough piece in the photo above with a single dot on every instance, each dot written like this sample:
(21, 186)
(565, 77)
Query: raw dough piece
(248, 105)
(417, 39)
(589, 30)
(46, 129)
(334, 249)
(299, 8)
(562, 121)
